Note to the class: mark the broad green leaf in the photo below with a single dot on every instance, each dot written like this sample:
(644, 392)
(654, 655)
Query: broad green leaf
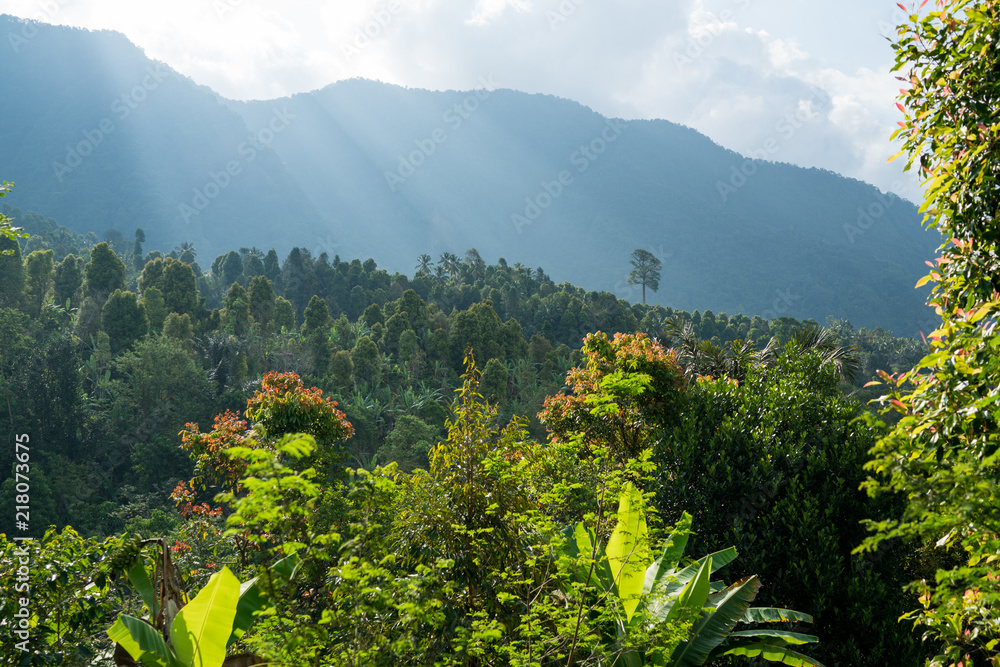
(774, 615)
(982, 312)
(674, 583)
(202, 628)
(579, 547)
(140, 579)
(695, 593)
(774, 653)
(142, 641)
(672, 552)
(787, 637)
(713, 629)
(252, 599)
(628, 549)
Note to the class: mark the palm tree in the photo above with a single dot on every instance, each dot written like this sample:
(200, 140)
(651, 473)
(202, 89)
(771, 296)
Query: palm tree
(477, 267)
(449, 261)
(221, 354)
(843, 357)
(701, 357)
(424, 265)
(185, 246)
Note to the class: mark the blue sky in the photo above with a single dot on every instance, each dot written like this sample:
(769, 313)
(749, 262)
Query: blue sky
(741, 71)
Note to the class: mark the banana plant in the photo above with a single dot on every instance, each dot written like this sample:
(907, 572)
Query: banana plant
(186, 633)
(649, 593)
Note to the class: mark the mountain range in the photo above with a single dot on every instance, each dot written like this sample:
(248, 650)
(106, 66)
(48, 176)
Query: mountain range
(97, 135)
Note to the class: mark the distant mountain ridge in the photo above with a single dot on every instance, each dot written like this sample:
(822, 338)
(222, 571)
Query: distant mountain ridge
(360, 168)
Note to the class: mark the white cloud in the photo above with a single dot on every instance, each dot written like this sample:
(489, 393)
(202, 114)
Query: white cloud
(486, 10)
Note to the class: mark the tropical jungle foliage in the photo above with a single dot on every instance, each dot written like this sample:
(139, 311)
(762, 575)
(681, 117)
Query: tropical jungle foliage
(943, 453)
(477, 466)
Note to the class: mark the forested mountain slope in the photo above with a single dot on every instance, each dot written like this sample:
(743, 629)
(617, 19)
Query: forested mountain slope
(363, 169)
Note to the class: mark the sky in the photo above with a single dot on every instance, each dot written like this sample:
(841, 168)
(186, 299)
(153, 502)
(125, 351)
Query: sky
(740, 71)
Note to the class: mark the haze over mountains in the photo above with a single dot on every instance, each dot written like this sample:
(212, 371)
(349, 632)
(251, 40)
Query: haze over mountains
(96, 135)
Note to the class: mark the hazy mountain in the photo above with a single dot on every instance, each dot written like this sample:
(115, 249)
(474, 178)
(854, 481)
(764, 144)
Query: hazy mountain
(362, 169)
(96, 135)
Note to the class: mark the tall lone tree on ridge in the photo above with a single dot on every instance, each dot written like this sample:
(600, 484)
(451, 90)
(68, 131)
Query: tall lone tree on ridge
(645, 271)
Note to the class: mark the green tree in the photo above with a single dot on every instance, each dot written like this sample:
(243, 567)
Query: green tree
(449, 262)
(39, 270)
(156, 308)
(367, 361)
(408, 443)
(162, 389)
(373, 315)
(137, 258)
(152, 274)
(236, 311)
(394, 328)
(942, 454)
(231, 268)
(7, 230)
(103, 274)
(11, 273)
(316, 328)
(178, 327)
(317, 317)
(463, 507)
(69, 612)
(272, 267)
(69, 278)
(175, 280)
(771, 465)
(262, 302)
(253, 266)
(645, 271)
(424, 265)
(178, 284)
(299, 280)
(284, 314)
(342, 369)
(409, 346)
(124, 319)
(494, 382)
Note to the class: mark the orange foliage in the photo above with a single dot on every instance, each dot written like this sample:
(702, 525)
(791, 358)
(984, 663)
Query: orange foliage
(282, 405)
(622, 427)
